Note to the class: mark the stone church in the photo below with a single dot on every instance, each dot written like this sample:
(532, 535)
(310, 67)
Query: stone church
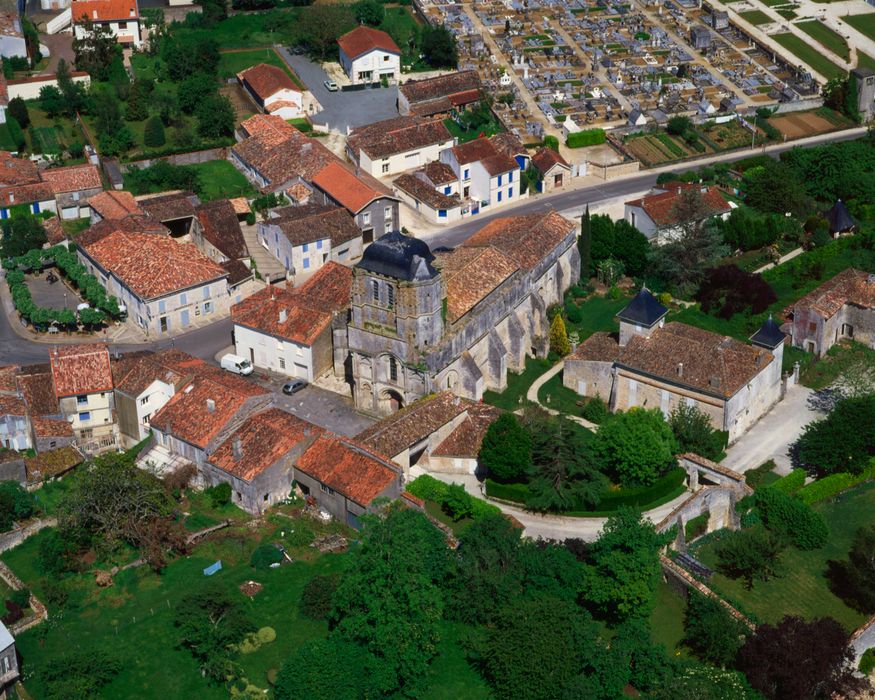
(422, 322)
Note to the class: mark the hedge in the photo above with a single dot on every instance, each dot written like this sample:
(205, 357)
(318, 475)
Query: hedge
(791, 483)
(611, 501)
(587, 137)
(833, 485)
(430, 489)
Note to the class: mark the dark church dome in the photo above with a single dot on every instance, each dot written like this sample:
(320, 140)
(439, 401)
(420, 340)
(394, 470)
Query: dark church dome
(399, 256)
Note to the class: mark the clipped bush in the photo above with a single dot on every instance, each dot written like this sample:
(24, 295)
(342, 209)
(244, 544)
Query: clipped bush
(219, 495)
(456, 502)
(264, 556)
(596, 411)
(266, 635)
(791, 519)
(833, 485)
(430, 489)
(586, 137)
(316, 596)
(791, 483)
(867, 662)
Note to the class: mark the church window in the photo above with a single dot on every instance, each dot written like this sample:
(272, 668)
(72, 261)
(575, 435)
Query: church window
(390, 296)
(393, 369)
(375, 290)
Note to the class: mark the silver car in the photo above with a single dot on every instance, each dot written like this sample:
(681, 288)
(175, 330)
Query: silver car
(294, 386)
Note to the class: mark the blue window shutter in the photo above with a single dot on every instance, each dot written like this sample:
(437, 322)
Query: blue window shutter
(499, 180)
(306, 263)
(442, 213)
(499, 196)
(447, 189)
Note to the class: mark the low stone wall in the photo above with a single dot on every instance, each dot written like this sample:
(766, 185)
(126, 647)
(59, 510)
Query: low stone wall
(799, 105)
(15, 537)
(609, 172)
(39, 610)
(192, 158)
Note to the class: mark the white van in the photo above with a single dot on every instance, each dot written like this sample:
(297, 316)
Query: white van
(236, 364)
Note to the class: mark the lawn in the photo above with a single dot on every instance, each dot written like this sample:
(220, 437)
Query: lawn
(251, 30)
(825, 371)
(804, 588)
(865, 23)
(514, 396)
(826, 36)
(7, 143)
(809, 55)
(667, 618)
(553, 394)
(787, 14)
(598, 314)
(232, 62)
(773, 3)
(865, 60)
(756, 17)
(221, 179)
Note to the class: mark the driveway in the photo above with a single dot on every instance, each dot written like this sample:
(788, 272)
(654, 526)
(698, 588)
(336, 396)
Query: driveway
(342, 110)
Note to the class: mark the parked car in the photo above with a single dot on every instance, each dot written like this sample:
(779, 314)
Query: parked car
(51, 278)
(236, 364)
(298, 50)
(294, 386)
(331, 86)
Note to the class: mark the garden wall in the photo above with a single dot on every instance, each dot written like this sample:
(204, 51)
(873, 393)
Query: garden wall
(192, 158)
(799, 105)
(15, 537)
(28, 88)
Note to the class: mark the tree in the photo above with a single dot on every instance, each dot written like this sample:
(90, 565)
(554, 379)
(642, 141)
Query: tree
(22, 233)
(858, 571)
(320, 26)
(194, 89)
(618, 240)
(51, 100)
(16, 503)
(559, 336)
(153, 134)
(389, 601)
(748, 229)
(368, 12)
(215, 117)
(678, 126)
(636, 447)
(584, 246)
(457, 503)
(693, 432)
(696, 681)
(79, 674)
(325, 669)
(774, 187)
(108, 118)
(506, 450)
(650, 666)
(438, 44)
(94, 48)
(72, 92)
(681, 263)
(727, 290)
(316, 596)
(209, 623)
(18, 111)
(749, 555)
(799, 659)
(184, 54)
(844, 441)
(791, 520)
(55, 554)
(623, 567)
(711, 632)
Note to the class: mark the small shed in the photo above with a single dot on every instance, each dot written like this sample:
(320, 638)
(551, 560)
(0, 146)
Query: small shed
(840, 219)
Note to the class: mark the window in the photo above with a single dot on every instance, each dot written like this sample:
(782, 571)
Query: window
(366, 218)
(388, 227)
(208, 307)
(52, 444)
(206, 292)
(499, 180)
(510, 193)
(442, 213)
(812, 327)
(319, 245)
(82, 400)
(385, 168)
(306, 263)
(144, 400)
(183, 299)
(510, 176)
(306, 247)
(265, 497)
(387, 212)
(390, 296)
(85, 434)
(85, 416)
(393, 369)
(499, 196)
(375, 290)
(466, 174)
(385, 58)
(447, 189)
(162, 307)
(122, 25)
(326, 489)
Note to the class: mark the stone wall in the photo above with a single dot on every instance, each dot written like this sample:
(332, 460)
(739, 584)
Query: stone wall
(15, 537)
(192, 158)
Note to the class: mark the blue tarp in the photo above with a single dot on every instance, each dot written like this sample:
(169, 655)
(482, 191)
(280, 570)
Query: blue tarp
(213, 568)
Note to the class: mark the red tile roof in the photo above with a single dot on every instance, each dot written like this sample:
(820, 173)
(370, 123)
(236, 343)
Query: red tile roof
(850, 286)
(349, 468)
(525, 239)
(152, 266)
(313, 222)
(269, 128)
(266, 80)
(134, 375)
(483, 150)
(262, 440)
(425, 193)
(25, 194)
(73, 178)
(53, 463)
(439, 173)
(662, 207)
(397, 135)
(471, 274)
(466, 439)
(80, 369)
(38, 391)
(55, 232)
(51, 427)
(12, 405)
(114, 204)
(454, 88)
(546, 158)
(345, 188)
(361, 40)
(17, 171)
(221, 228)
(104, 10)
(7, 378)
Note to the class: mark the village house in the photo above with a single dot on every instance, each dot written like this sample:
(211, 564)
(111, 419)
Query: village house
(258, 459)
(289, 331)
(165, 285)
(438, 433)
(369, 55)
(654, 364)
(487, 177)
(120, 17)
(49, 427)
(421, 323)
(82, 380)
(12, 41)
(35, 197)
(841, 308)
(442, 96)
(306, 237)
(113, 205)
(428, 199)
(658, 214)
(345, 478)
(73, 186)
(273, 91)
(176, 211)
(217, 234)
(394, 145)
(555, 171)
(17, 171)
(14, 424)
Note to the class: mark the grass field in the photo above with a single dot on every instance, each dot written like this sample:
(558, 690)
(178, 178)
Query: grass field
(808, 55)
(667, 618)
(514, 396)
(825, 371)
(598, 315)
(826, 36)
(232, 62)
(45, 138)
(865, 60)
(803, 588)
(865, 23)
(755, 17)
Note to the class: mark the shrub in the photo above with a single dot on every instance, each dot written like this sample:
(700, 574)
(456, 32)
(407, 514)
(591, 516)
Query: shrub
(843, 441)
(867, 662)
(506, 451)
(696, 526)
(517, 493)
(430, 489)
(456, 502)
(587, 137)
(677, 126)
(220, 494)
(153, 133)
(692, 429)
(21, 597)
(636, 447)
(791, 519)
(791, 483)
(300, 534)
(595, 410)
(316, 596)
(833, 485)
(749, 555)
(264, 556)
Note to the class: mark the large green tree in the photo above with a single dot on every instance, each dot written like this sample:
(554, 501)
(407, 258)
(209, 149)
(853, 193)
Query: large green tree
(749, 555)
(857, 574)
(320, 26)
(584, 245)
(438, 45)
(325, 669)
(844, 441)
(694, 433)
(711, 632)
(184, 54)
(636, 447)
(215, 117)
(95, 48)
(22, 233)
(618, 240)
(506, 450)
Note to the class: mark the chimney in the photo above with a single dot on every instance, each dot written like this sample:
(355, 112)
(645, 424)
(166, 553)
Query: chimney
(680, 369)
(211, 405)
(237, 449)
(307, 147)
(283, 315)
(132, 12)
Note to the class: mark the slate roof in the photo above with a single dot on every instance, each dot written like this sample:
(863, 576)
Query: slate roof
(221, 228)
(300, 315)
(80, 369)
(313, 222)
(262, 440)
(839, 218)
(644, 309)
(711, 363)
(769, 334)
(114, 204)
(170, 206)
(345, 188)
(547, 158)
(153, 266)
(439, 173)
(442, 88)
(422, 192)
(266, 80)
(850, 286)
(400, 256)
(662, 207)
(361, 40)
(348, 467)
(526, 239)
(471, 274)
(73, 178)
(397, 135)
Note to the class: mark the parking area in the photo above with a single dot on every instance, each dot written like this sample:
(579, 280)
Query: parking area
(51, 296)
(342, 110)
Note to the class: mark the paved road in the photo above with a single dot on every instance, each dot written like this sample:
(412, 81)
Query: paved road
(342, 109)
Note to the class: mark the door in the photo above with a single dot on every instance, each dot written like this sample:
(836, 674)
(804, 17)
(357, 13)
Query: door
(163, 324)
(184, 318)
(557, 181)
